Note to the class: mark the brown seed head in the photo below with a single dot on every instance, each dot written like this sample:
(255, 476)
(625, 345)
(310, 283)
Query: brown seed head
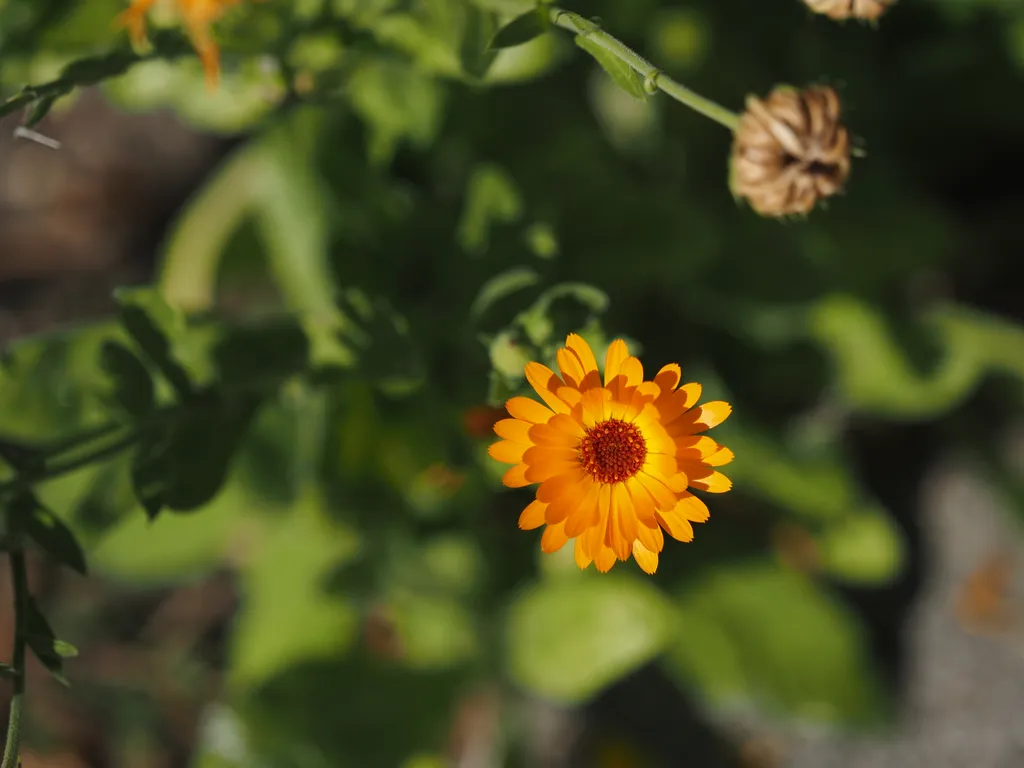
(790, 150)
(868, 10)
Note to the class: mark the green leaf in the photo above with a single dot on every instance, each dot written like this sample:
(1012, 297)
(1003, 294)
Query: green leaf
(522, 29)
(133, 386)
(64, 649)
(475, 53)
(568, 638)
(40, 110)
(263, 352)
(379, 336)
(500, 286)
(42, 641)
(491, 198)
(55, 538)
(288, 616)
(764, 634)
(140, 314)
(185, 466)
(620, 71)
(862, 548)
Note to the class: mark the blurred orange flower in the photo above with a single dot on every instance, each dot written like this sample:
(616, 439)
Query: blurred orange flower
(197, 17)
(614, 459)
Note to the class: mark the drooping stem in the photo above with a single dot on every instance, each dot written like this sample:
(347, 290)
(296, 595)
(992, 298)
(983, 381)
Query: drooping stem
(30, 478)
(19, 583)
(654, 78)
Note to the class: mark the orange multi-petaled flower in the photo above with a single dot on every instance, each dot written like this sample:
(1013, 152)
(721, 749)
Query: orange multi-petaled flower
(614, 458)
(197, 16)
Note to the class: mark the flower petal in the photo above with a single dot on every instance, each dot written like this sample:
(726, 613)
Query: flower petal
(586, 515)
(663, 497)
(715, 482)
(569, 501)
(617, 353)
(692, 508)
(538, 473)
(550, 436)
(720, 458)
(554, 538)
(508, 451)
(643, 504)
(675, 524)
(570, 366)
(647, 560)
(625, 521)
(516, 477)
(528, 410)
(701, 418)
(559, 484)
(578, 344)
(583, 560)
(604, 559)
(651, 536)
(533, 516)
(546, 383)
(513, 429)
(668, 378)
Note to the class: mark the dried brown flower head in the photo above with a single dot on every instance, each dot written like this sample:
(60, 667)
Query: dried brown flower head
(790, 150)
(868, 10)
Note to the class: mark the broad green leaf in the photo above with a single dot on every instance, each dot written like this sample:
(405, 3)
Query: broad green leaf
(569, 638)
(288, 617)
(146, 317)
(55, 538)
(475, 53)
(42, 641)
(133, 386)
(185, 466)
(500, 286)
(522, 29)
(756, 633)
(491, 198)
(620, 71)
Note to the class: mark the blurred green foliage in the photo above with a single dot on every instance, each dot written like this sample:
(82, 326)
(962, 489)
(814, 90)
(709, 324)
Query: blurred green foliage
(432, 213)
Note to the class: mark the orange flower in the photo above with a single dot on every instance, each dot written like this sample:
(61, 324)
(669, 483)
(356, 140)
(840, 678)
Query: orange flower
(614, 460)
(197, 16)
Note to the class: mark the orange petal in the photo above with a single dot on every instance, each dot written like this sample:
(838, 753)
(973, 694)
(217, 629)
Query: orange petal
(513, 429)
(651, 537)
(595, 403)
(647, 560)
(663, 497)
(538, 473)
(625, 525)
(604, 559)
(593, 536)
(701, 418)
(668, 378)
(554, 538)
(577, 344)
(547, 435)
(543, 380)
(570, 366)
(586, 515)
(692, 508)
(583, 560)
(677, 526)
(516, 477)
(567, 424)
(559, 484)
(528, 410)
(643, 504)
(715, 482)
(720, 458)
(617, 353)
(507, 451)
(533, 516)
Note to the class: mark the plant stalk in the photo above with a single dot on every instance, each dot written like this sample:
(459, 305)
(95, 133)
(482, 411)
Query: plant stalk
(654, 78)
(19, 582)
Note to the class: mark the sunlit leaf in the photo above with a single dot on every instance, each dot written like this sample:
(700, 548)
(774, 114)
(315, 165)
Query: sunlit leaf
(569, 638)
(522, 29)
(620, 72)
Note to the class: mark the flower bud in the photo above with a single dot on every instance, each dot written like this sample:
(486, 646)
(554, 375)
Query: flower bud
(867, 10)
(789, 151)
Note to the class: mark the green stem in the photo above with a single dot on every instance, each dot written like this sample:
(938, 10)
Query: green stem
(53, 471)
(19, 580)
(654, 78)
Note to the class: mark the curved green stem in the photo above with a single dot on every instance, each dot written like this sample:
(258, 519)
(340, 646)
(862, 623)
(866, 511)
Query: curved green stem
(53, 471)
(19, 581)
(654, 78)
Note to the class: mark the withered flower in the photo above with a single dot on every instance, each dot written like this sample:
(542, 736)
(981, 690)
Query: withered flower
(790, 151)
(867, 10)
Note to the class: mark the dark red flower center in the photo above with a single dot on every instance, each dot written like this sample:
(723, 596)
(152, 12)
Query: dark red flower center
(613, 451)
